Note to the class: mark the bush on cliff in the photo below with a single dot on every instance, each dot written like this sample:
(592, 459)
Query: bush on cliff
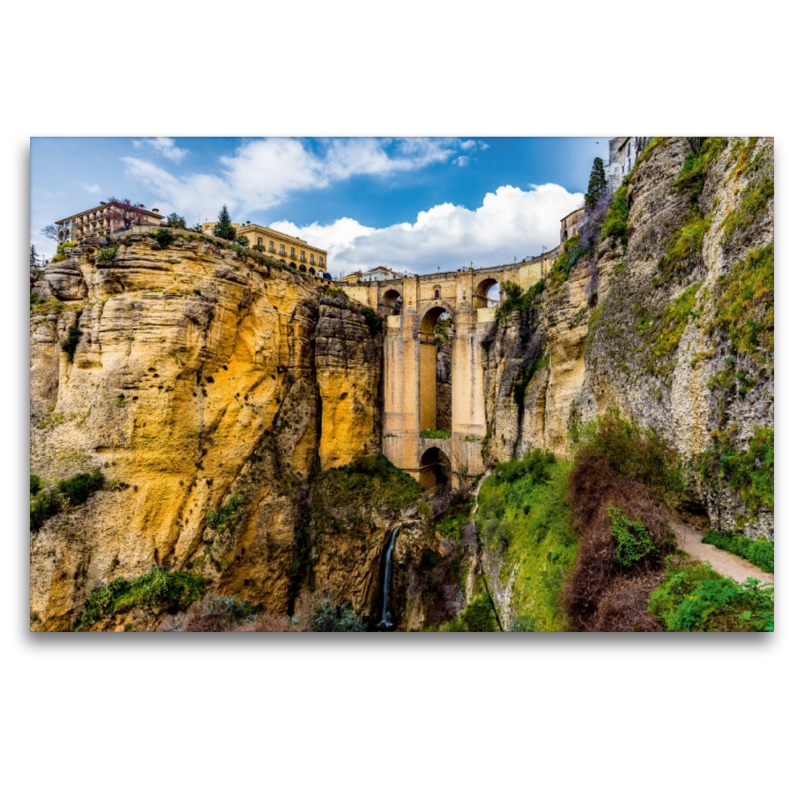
(156, 590)
(622, 478)
(73, 491)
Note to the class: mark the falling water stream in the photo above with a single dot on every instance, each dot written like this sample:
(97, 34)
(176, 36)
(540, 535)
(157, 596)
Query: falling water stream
(386, 617)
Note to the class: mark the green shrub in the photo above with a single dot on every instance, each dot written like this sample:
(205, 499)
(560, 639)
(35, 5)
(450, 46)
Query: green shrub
(616, 223)
(433, 433)
(749, 473)
(746, 308)
(44, 506)
(80, 487)
(157, 590)
(328, 618)
(175, 221)
(236, 611)
(36, 484)
(760, 552)
(640, 454)
(754, 201)
(477, 617)
(105, 255)
(666, 331)
(259, 248)
(693, 597)
(632, 538)
(164, 236)
(514, 299)
(570, 256)
(685, 246)
(373, 320)
(227, 515)
(696, 165)
(70, 344)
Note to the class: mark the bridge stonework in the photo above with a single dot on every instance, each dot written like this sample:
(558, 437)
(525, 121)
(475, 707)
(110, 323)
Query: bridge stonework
(411, 306)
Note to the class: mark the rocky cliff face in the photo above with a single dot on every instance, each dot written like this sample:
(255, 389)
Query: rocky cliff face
(200, 375)
(670, 321)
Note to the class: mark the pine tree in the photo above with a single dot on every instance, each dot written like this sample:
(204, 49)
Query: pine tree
(597, 184)
(34, 258)
(223, 229)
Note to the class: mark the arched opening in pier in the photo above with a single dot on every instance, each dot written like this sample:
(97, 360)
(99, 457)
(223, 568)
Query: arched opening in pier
(392, 302)
(487, 294)
(435, 370)
(312, 271)
(302, 268)
(434, 468)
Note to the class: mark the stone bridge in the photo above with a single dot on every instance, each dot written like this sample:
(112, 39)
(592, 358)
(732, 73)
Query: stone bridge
(412, 306)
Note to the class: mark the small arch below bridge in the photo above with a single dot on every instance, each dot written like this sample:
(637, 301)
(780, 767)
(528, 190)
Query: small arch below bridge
(434, 468)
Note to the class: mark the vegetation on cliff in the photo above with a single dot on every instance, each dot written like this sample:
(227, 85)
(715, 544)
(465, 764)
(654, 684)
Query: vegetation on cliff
(523, 517)
(67, 493)
(760, 552)
(695, 598)
(157, 590)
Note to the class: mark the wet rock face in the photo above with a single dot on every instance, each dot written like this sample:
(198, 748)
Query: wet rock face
(634, 329)
(199, 375)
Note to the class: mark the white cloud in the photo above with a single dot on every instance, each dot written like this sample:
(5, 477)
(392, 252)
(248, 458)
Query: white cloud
(93, 189)
(263, 172)
(510, 223)
(164, 146)
(461, 161)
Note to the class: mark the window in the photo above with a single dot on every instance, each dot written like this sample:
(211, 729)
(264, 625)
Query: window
(436, 294)
(321, 262)
(293, 252)
(283, 250)
(260, 240)
(312, 258)
(302, 255)
(272, 247)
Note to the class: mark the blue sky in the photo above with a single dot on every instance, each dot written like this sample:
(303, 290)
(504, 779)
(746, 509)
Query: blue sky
(410, 204)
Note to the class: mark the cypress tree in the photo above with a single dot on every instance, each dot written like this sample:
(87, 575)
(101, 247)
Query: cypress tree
(223, 229)
(34, 258)
(597, 184)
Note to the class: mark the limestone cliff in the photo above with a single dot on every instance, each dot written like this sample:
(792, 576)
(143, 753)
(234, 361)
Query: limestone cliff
(641, 320)
(200, 375)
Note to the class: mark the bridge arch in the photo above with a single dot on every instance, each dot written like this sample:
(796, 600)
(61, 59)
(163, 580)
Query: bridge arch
(435, 393)
(483, 290)
(434, 468)
(391, 302)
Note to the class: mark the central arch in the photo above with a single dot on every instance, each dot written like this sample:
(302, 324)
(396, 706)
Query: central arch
(434, 468)
(435, 353)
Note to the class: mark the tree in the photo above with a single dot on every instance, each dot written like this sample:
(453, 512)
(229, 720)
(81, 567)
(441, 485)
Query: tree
(224, 229)
(121, 212)
(598, 185)
(50, 232)
(174, 221)
(34, 258)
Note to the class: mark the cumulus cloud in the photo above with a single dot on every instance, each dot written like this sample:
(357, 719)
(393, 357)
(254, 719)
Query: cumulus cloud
(93, 189)
(164, 146)
(511, 222)
(461, 161)
(262, 173)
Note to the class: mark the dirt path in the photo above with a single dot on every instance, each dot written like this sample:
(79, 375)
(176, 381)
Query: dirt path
(689, 540)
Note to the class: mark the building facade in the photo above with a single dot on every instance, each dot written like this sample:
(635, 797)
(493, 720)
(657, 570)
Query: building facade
(570, 225)
(290, 250)
(104, 219)
(622, 154)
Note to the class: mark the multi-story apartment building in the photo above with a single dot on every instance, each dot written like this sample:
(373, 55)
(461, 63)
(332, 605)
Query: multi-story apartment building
(104, 219)
(290, 250)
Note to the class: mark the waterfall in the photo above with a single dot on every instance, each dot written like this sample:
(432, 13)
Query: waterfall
(386, 617)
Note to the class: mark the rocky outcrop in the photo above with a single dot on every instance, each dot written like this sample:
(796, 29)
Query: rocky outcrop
(200, 375)
(637, 325)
